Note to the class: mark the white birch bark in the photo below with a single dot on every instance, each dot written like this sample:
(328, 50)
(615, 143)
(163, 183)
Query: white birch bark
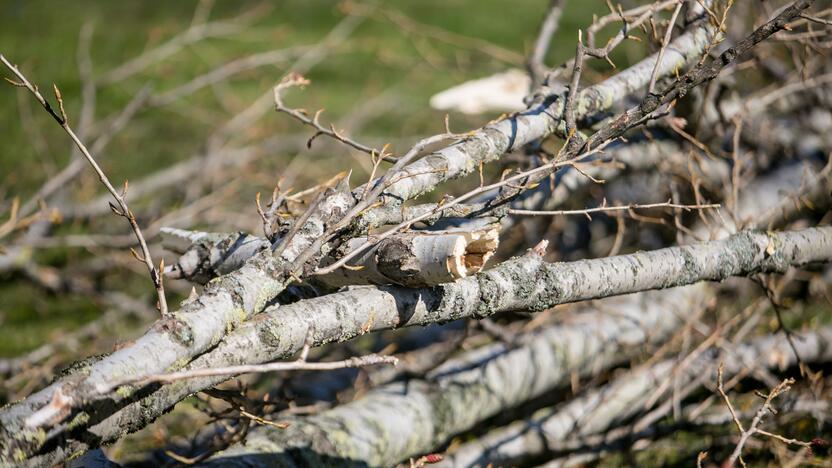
(417, 259)
(403, 419)
(409, 259)
(359, 417)
(603, 408)
(525, 283)
(170, 344)
(492, 141)
(229, 300)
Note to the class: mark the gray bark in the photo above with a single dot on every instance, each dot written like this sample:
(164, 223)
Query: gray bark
(230, 300)
(204, 256)
(525, 283)
(541, 120)
(408, 259)
(349, 445)
(199, 325)
(605, 407)
(207, 255)
(403, 419)
(417, 259)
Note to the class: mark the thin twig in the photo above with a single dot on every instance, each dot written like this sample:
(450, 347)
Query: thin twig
(122, 210)
(753, 428)
(540, 172)
(536, 63)
(296, 80)
(665, 41)
(299, 364)
(605, 209)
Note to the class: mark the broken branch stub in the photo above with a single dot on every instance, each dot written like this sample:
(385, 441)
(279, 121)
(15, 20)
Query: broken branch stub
(417, 259)
(204, 256)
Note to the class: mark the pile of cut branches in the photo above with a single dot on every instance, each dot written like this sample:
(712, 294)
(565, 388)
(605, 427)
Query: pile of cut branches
(706, 160)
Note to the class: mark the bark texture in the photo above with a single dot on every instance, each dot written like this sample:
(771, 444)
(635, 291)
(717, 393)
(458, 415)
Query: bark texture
(170, 344)
(417, 259)
(463, 392)
(526, 283)
(409, 259)
(603, 408)
(712, 260)
(540, 120)
(207, 255)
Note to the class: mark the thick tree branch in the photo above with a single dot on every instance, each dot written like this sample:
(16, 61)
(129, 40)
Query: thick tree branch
(540, 120)
(462, 392)
(598, 410)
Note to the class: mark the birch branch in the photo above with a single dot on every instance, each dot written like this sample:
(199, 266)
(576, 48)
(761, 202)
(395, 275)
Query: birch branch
(243, 293)
(494, 378)
(275, 442)
(701, 73)
(523, 298)
(524, 283)
(597, 411)
(557, 283)
(215, 254)
(204, 256)
(417, 259)
(283, 331)
(198, 325)
(773, 199)
(232, 299)
(589, 451)
(665, 155)
(542, 119)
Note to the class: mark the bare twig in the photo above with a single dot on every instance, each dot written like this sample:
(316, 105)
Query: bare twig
(753, 428)
(666, 41)
(605, 209)
(294, 79)
(299, 364)
(533, 175)
(122, 209)
(536, 63)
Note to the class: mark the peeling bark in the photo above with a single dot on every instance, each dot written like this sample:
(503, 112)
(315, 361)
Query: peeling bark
(323, 440)
(229, 300)
(207, 255)
(170, 344)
